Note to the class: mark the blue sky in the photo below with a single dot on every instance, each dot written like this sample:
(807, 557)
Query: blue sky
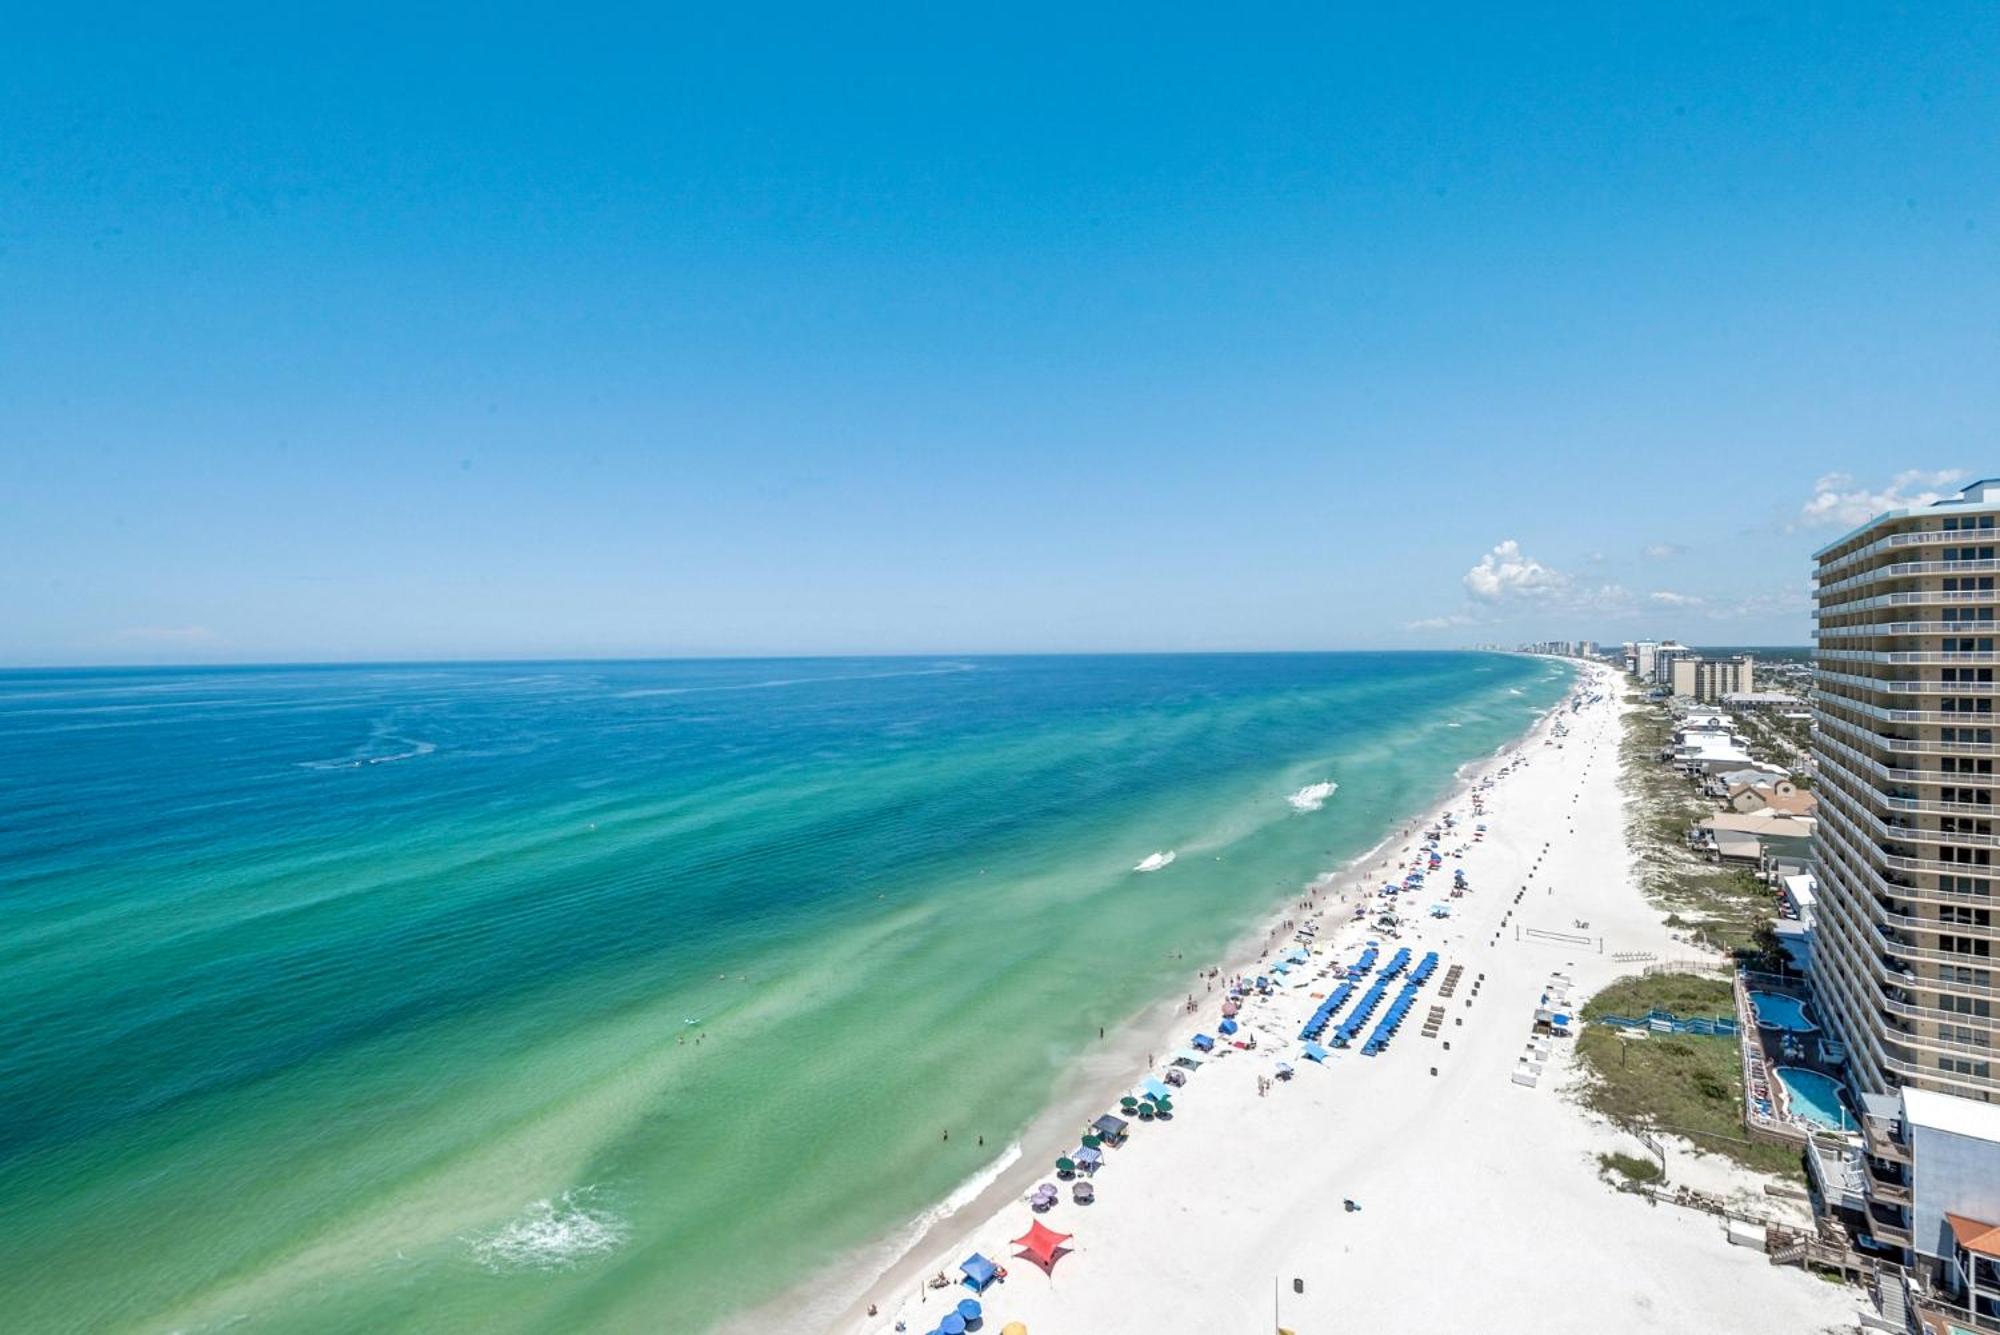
(918, 329)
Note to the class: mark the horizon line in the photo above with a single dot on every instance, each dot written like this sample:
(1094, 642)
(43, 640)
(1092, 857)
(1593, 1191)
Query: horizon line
(723, 657)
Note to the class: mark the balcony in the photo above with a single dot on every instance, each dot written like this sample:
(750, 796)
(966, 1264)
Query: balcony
(1902, 745)
(1852, 866)
(1918, 657)
(1902, 830)
(1910, 598)
(1908, 570)
(1898, 542)
(1869, 629)
(1904, 685)
(1887, 1186)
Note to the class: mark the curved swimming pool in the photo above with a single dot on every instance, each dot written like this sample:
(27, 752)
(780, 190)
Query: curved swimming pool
(1782, 1012)
(1815, 1098)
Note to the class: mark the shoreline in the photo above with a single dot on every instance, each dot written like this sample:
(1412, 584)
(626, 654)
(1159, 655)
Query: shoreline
(1245, 1182)
(1096, 1078)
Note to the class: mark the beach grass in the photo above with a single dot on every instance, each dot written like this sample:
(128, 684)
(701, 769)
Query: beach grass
(1630, 1167)
(1725, 908)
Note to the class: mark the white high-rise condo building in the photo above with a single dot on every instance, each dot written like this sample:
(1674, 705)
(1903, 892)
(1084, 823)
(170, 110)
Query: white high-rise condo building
(1905, 743)
(1903, 966)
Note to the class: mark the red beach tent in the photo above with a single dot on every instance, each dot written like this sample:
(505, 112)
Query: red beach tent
(1042, 1245)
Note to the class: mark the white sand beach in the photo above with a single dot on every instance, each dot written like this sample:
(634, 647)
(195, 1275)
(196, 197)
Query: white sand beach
(1480, 1203)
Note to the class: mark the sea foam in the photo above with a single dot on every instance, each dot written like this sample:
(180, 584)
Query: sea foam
(552, 1235)
(1313, 796)
(1154, 861)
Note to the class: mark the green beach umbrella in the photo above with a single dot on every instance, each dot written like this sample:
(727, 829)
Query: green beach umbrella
(1128, 1103)
(1065, 1165)
(1093, 1142)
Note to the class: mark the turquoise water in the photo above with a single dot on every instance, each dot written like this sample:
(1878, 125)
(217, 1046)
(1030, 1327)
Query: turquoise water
(1782, 1012)
(553, 997)
(1816, 1098)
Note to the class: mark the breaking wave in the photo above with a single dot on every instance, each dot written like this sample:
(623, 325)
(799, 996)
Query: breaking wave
(552, 1235)
(1154, 861)
(1313, 796)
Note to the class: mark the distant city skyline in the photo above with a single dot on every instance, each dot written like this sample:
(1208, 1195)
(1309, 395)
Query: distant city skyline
(732, 334)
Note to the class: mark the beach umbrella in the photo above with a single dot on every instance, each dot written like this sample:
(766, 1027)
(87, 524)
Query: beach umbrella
(969, 1308)
(1093, 1142)
(1128, 1103)
(1164, 1105)
(1013, 1328)
(1065, 1165)
(952, 1325)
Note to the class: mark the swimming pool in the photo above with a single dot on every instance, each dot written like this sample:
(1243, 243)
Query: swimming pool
(1782, 1012)
(1815, 1098)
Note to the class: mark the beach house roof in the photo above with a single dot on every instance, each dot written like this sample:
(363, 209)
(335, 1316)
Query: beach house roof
(1974, 1235)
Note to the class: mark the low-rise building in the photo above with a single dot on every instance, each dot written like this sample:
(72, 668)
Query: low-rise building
(1698, 678)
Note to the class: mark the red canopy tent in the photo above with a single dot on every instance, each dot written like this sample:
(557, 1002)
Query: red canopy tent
(1042, 1245)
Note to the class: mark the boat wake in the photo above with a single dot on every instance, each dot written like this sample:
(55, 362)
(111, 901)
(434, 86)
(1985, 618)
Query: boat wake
(1313, 796)
(413, 750)
(552, 1235)
(1154, 861)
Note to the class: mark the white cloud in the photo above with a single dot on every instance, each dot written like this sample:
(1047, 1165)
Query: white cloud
(1672, 599)
(1505, 572)
(1665, 551)
(1837, 500)
(1439, 623)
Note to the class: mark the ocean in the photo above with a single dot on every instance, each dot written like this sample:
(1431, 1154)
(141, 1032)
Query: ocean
(615, 996)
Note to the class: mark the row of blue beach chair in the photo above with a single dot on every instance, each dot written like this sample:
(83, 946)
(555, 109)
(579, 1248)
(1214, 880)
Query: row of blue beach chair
(1400, 1007)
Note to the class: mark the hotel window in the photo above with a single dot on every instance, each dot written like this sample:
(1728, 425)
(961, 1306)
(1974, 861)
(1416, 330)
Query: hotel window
(1966, 736)
(1968, 645)
(1958, 915)
(1968, 524)
(1960, 1066)
(1981, 1010)
(1963, 825)
(1962, 977)
(1966, 885)
(1965, 765)
(1965, 945)
(1967, 797)
(1966, 704)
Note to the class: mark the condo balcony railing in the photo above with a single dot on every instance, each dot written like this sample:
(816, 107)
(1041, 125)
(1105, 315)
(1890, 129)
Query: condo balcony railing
(1884, 800)
(1859, 800)
(1932, 1015)
(1891, 960)
(1901, 745)
(1916, 657)
(1859, 760)
(1905, 570)
(1867, 1040)
(1894, 542)
(1953, 718)
(1903, 685)
(1906, 598)
(1869, 630)
(1852, 864)
(1829, 815)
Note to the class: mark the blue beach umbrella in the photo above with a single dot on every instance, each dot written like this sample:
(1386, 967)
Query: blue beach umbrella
(952, 1325)
(968, 1308)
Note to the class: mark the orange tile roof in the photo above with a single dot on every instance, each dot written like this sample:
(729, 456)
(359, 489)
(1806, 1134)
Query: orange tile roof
(1975, 1236)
